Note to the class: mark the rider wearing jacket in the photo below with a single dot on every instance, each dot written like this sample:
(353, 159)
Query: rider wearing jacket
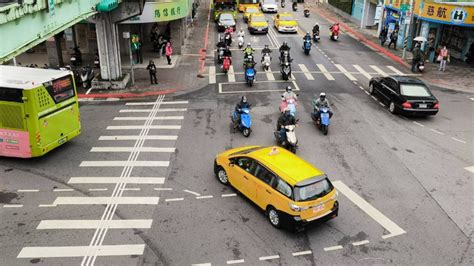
(307, 37)
(289, 94)
(285, 119)
(248, 50)
(284, 47)
(266, 50)
(316, 28)
(228, 53)
(319, 102)
(335, 29)
(238, 109)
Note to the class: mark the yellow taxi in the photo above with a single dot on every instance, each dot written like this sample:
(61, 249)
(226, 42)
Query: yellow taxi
(249, 11)
(286, 187)
(285, 22)
(258, 23)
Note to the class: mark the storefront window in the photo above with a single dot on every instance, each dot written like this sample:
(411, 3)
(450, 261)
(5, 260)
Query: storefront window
(454, 37)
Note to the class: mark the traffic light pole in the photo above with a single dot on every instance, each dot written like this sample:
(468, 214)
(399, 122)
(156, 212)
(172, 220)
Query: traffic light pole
(407, 29)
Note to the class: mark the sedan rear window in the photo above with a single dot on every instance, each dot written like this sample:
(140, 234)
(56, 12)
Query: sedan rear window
(414, 90)
(313, 191)
(226, 17)
(287, 18)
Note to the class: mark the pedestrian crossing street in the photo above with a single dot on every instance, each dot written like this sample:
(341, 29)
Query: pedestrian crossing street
(352, 72)
(146, 138)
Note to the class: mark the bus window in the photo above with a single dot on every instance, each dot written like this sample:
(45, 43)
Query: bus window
(60, 89)
(11, 95)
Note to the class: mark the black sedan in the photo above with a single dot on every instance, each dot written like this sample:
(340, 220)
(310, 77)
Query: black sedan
(225, 20)
(405, 95)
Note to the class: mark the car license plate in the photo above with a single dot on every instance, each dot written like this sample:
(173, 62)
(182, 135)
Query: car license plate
(422, 105)
(259, 29)
(318, 208)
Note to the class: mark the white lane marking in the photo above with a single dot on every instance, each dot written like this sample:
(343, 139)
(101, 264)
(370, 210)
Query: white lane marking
(398, 72)
(436, 131)
(373, 97)
(302, 253)
(362, 71)
(205, 197)
(161, 103)
(229, 262)
(362, 88)
(79, 251)
(124, 163)
(359, 243)
(131, 189)
(378, 70)
(462, 141)
(269, 257)
(98, 189)
(470, 169)
(149, 110)
(366, 92)
(27, 190)
(333, 248)
(89, 91)
(212, 75)
(201, 264)
(142, 127)
(114, 180)
(163, 189)
(105, 200)
(63, 190)
(345, 72)
(141, 118)
(379, 217)
(131, 149)
(231, 74)
(174, 199)
(269, 74)
(381, 104)
(325, 72)
(46, 205)
(93, 224)
(12, 205)
(418, 124)
(306, 72)
(472, 99)
(149, 137)
(297, 88)
(192, 192)
(229, 195)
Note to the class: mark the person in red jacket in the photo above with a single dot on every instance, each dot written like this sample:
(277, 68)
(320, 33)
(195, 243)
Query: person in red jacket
(335, 29)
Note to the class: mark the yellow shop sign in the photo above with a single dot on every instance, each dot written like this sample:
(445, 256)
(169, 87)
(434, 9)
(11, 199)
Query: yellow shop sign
(448, 14)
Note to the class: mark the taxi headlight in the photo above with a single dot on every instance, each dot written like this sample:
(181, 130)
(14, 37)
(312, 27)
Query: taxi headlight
(297, 208)
(334, 197)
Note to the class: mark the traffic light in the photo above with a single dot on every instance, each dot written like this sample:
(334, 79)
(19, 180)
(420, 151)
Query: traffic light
(106, 5)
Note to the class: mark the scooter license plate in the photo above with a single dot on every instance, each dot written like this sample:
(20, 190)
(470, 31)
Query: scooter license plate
(422, 105)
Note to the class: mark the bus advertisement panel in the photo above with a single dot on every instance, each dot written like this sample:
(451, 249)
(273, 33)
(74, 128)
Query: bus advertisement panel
(224, 6)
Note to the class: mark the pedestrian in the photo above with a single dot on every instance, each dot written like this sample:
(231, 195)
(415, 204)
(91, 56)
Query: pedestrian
(152, 71)
(416, 57)
(383, 35)
(393, 39)
(137, 48)
(443, 57)
(168, 52)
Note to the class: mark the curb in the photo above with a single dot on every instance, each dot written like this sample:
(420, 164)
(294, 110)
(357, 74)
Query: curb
(125, 95)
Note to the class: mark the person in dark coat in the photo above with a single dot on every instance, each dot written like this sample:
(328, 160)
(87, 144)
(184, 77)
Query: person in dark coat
(383, 35)
(152, 71)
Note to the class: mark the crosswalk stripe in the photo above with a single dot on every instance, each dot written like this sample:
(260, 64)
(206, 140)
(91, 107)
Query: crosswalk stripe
(93, 224)
(142, 127)
(362, 71)
(269, 74)
(149, 137)
(105, 200)
(396, 71)
(345, 72)
(378, 70)
(149, 110)
(131, 149)
(135, 118)
(114, 180)
(81, 251)
(325, 72)
(231, 74)
(212, 75)
(153, 103)
(306, 72)
(124, 163)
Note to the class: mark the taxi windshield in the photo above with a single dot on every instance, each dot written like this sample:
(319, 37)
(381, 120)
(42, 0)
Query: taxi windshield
(251, 10)
(313, 191)
(258, 19)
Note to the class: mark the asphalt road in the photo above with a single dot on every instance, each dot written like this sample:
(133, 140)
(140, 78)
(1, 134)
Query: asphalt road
(144, 191)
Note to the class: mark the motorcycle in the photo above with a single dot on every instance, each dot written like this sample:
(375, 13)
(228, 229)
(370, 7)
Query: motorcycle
(76, 56)
(306, 12)
(87, 74)
(250, 75)
(294, 6)
(282, 3)
(241, 41)
(226, 64)
(289, 103)
(285, 70)
(322, 122)
(289, 142)
(307, 46)
(421, 66)
(245, 121)
(96, 59)
(316, 36)
(220, 55)
(334, 36)
(266, 61)
(228, 39)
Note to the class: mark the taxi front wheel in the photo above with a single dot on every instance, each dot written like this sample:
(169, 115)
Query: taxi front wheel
(274, 217)
(222, 176)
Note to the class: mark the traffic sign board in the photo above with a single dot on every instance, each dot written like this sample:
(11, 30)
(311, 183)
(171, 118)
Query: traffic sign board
(404, 7)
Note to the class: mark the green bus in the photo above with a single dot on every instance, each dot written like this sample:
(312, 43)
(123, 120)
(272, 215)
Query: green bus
(39, 110)
(224, 6)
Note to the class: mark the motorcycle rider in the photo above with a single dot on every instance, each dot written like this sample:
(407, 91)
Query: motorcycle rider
(238, 109)
(284, 48)
(289, 94)
(307, 37)
(221, 42)
(319, 102)
(228, 53)
(316, 29)
(266, 50)
(248, 50)
(285, 119)
(334, 29)
(241, 33)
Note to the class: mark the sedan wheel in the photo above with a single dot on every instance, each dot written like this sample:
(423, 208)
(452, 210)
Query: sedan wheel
(222, 176)
(274, 217)
(392, 108)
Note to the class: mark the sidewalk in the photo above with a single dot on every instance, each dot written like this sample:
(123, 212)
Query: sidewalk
(458, 75)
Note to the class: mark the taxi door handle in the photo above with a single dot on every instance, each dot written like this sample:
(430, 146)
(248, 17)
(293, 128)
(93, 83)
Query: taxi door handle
(268, 191)
(246, 177)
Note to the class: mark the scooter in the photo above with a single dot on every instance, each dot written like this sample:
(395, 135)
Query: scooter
(322, 122)
(87, 74)
(76, 56)
(228, 39)
(290, 142)
(245, 121)
(294, 6)
(241, 41)
(421, 66)
(285, 70)
(250, 75)
(226, 64)
(288, 103)
(96, 59)
(220, 55)
(283, 4)
(334, 36)
(307, 46)
(306, 12)
(266, 61)
(316, 36)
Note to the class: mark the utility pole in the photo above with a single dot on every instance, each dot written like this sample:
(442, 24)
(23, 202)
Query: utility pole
(407, 29)
(126, 35)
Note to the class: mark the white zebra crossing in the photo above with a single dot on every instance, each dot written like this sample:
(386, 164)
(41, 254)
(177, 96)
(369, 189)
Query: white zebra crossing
(231, 74)
(345, 72)
(306, 72)
(325, 72)
(362, 71)
(378, 70)
(269, 74)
